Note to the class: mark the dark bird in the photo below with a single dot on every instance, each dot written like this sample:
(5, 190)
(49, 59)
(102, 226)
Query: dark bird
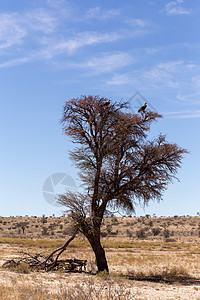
(106, 103)
(142, 108)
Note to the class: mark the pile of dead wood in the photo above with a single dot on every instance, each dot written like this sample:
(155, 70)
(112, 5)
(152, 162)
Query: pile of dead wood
(48, 263)
(40, 262)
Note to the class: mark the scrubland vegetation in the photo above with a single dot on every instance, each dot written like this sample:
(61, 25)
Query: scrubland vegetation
(122, 228)
(154, 257)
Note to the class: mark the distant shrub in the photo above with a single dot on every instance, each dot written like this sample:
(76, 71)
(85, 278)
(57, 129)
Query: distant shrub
(150, 223)
(44, 220)
(170, 240)
(129, 233)
(104, 234)
(156, 231)
(109, 228)
(166, 233)
(66, 231)
(113, 233)
(44, 230)
(22, 225)
(141, 233)
(114, 221)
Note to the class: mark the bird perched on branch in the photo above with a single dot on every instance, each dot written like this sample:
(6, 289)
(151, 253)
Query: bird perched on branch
(142, 108)
(106, 103)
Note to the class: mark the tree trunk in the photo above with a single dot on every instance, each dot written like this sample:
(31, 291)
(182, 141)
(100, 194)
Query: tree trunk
(99, 253)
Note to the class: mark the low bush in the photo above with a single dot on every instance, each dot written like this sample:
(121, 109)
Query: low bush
(156, 231)
(103, 273)
(141, 233)
(166, 233)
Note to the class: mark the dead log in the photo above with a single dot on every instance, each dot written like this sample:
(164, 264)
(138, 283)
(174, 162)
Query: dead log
(39, 261)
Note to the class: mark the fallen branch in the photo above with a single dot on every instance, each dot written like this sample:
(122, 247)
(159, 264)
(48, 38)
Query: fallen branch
(48, 263)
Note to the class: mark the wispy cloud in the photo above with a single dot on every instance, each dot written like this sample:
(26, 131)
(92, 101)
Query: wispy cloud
(98, 13)
(40, 20)
(175, 8)
(14, 28)
(120, 79)
(137, 22)
(187, 114)
(70, 45)
(175, 80)
(46, 33)
(51, 48)
(11, 31)
(17, 61)
(106, 62)
(172, 73)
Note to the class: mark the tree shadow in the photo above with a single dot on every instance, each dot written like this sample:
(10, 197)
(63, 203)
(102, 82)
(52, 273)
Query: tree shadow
(160, 279)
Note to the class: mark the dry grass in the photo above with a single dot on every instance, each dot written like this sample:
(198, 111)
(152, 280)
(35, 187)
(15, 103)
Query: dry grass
(144, 260)
(87, 291)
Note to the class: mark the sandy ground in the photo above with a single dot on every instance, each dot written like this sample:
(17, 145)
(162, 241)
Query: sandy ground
(57, 281)
(138, 290)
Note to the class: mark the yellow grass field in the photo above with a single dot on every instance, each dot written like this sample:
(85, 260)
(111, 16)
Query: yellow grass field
(144, 263)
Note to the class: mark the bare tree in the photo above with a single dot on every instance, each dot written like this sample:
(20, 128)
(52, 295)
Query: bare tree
(22, 225)
(119, 165)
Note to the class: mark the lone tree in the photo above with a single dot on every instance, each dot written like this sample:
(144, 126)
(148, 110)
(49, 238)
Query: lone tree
(118, 165)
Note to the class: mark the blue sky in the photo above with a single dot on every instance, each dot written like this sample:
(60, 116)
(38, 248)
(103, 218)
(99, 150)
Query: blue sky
(54, 50)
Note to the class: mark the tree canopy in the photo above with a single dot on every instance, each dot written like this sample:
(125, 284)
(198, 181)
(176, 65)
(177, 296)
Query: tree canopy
(119, 166)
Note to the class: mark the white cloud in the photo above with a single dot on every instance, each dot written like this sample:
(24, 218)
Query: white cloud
(137, 23)
(97, 13)
(51, 47)
(11, 31)
(14, 27)
(174, 8)
(172, 73)
(16, 62)
(70, 45)
(189, 97)
(106, 62)
(187, 114)
(175, 80)
(120, 79)
(40, 20)
(39, 35)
